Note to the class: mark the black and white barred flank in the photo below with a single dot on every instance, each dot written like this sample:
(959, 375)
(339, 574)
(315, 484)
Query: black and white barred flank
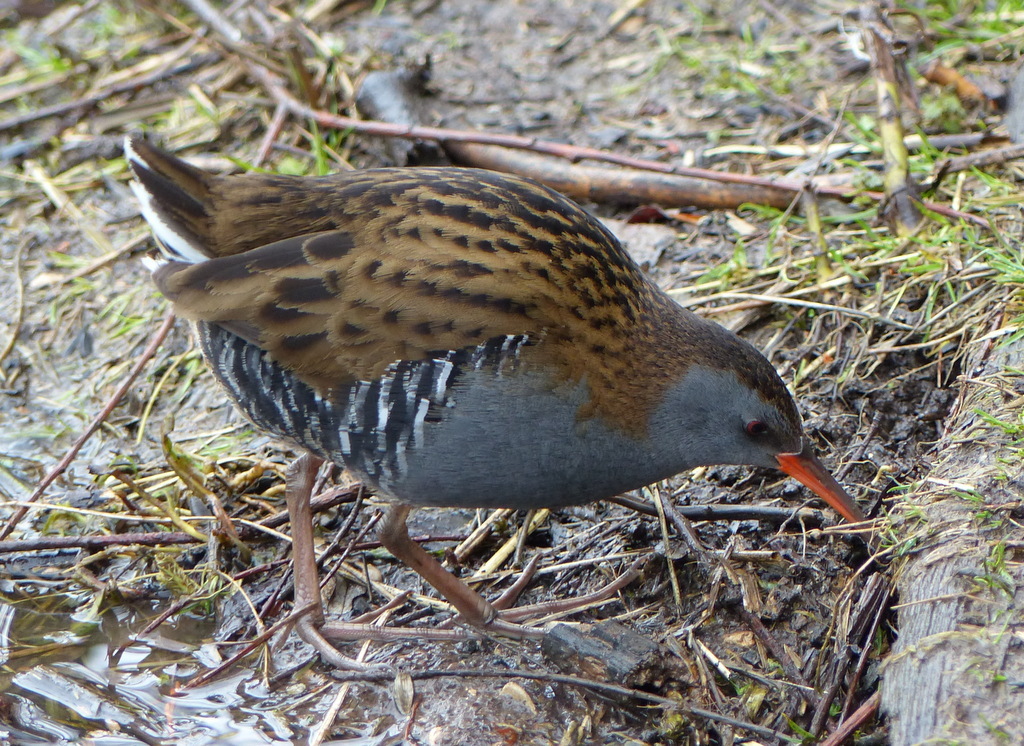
(368, 426)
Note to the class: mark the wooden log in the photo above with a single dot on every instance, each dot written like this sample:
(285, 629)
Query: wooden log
(957, 670)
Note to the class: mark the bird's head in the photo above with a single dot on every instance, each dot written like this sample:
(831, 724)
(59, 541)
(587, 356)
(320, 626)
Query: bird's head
(730, 407)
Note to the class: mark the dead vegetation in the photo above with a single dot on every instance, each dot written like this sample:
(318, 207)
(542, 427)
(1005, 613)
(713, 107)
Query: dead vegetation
(858, 221)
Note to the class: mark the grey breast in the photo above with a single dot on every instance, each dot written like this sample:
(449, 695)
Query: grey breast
(468, 428)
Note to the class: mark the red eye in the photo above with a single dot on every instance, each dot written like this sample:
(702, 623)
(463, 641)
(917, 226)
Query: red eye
(755, 428)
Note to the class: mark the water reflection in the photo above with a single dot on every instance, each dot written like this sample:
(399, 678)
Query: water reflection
(65, 681)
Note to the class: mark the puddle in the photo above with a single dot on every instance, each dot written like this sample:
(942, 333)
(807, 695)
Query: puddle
(67, 681)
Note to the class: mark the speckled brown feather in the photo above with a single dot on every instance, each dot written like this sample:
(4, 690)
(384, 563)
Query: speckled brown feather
(340, 276)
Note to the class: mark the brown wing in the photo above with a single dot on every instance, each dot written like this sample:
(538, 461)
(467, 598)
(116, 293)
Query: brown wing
(407, 264)
(333, 312)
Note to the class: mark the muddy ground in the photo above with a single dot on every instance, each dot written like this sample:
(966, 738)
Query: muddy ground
(763, 627)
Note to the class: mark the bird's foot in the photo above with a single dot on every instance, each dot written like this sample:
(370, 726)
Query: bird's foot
(492, 619)
(568, 605)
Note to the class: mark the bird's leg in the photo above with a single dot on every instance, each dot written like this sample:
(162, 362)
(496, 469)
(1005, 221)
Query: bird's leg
(298, 489)
(299, 480)
(394, 535)
(474, 608)
(311, 626)
(562, 606)
(511, 594)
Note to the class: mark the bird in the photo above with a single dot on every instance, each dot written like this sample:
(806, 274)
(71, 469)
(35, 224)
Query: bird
(454, 337)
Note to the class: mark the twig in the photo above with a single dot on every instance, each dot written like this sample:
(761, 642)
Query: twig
(323, 501)
(217, 21)
(981, 159)
(80, 106)
(466, 673)
(155, 539)
(787, 301)
(719, 512)
(95, 543)
(761, 632)
(864, 713)
(871, 599)
(677, 595)
(247, 648)
(878, 584)
(761, 731)
(858, 452)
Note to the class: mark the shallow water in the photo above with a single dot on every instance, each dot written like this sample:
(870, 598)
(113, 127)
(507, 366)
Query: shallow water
(68, 679)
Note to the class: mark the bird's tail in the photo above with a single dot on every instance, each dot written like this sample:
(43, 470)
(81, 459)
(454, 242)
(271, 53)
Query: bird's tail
(173, 196)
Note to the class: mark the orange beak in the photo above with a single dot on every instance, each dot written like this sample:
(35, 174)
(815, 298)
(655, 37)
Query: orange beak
(806, 468)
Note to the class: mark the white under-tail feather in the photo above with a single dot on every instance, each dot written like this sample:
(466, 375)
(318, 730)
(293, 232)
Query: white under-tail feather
(172, 244)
